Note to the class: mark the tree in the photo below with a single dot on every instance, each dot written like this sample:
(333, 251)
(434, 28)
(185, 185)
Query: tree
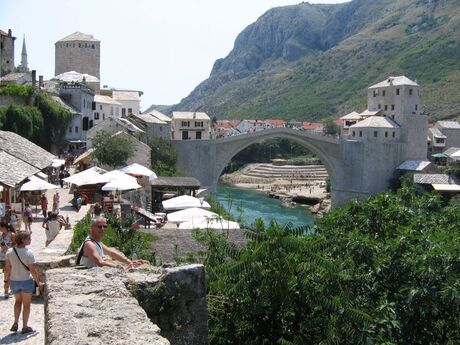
(331, 128)
(164, 157)
(112, 150)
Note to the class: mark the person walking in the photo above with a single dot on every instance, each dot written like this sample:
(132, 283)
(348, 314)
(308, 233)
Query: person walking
(44, 203)
(7, 240)
(27, 217)
(20, 268)
(56, 199)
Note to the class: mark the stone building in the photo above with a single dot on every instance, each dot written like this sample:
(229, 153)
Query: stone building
(154, 123)
(6, 52)
(78, 52)
(105, 106)
(451, 131)
(190, 125)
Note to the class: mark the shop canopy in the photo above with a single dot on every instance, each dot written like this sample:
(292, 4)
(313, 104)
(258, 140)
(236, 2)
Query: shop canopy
(85, 177)
(117, 180)
(138, 170)
(190, 214)
(36, 183)
(439, 155)
(183, 202)
(210, 223)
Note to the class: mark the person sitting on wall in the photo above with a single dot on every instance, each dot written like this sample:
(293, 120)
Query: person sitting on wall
(92, 250)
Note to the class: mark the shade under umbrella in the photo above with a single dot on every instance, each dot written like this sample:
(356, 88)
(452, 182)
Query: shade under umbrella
(210, 223)
(138, 170)
(189, 215)
(183, 202)
(85, 177)
(36, 183)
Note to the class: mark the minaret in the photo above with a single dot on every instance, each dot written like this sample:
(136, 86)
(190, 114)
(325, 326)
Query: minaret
(24, 67)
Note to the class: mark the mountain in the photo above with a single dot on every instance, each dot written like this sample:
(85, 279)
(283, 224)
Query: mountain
(315, 61)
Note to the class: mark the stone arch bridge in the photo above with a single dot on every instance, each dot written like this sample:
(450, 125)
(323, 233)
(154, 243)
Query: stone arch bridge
(356, 168)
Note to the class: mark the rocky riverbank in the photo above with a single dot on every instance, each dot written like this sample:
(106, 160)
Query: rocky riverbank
(293, 185)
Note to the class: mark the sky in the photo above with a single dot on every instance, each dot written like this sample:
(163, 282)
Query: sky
(164, 48)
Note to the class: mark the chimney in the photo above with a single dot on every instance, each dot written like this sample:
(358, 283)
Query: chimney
(10, 33)
(34, 78)
(40, 81)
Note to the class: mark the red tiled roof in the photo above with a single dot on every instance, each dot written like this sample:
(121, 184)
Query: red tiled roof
(276, 122)
(312, 125)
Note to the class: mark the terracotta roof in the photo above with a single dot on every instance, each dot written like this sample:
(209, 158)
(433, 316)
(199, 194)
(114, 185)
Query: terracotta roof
(312, 125)
(25, 150)
(376, 122)
(401, 80)
(14, 170)
(176, 182)
(78, 36)
(276, 122)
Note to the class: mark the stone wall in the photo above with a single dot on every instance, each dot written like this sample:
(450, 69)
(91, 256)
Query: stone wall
(95, 306)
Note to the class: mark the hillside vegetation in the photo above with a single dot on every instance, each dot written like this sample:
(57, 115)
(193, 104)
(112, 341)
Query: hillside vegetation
(315, 61)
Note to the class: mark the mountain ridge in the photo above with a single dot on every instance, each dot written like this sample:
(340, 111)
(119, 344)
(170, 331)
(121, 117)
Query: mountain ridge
(315, 61)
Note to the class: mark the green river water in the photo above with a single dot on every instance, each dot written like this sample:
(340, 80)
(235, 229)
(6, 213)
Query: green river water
(258, 205)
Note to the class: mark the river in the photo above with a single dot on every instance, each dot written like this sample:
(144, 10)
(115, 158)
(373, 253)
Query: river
(258, 205)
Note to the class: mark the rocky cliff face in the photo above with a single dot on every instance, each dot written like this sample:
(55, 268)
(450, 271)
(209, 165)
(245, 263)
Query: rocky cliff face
(309, 61)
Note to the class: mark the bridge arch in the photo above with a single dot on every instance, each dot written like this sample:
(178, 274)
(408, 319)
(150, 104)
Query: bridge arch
(326, 148)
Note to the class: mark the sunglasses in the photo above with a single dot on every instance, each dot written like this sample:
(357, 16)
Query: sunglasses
(102, 226)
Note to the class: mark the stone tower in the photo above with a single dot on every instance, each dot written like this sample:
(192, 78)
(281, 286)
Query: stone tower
(78, 52)
(24, 64)
(398, 98)
(6, 52)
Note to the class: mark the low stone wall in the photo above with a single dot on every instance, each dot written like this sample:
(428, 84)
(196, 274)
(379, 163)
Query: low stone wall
(96, 306)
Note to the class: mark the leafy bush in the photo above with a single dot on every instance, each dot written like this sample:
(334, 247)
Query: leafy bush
(164, 157)
(112, 150)
(385, 271)
(15, 90)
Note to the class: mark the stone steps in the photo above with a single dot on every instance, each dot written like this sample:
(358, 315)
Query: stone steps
(307, 173)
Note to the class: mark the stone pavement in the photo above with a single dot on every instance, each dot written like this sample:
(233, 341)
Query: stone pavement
(56, 248)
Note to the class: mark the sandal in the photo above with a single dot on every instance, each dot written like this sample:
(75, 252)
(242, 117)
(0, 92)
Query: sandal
(27, 330)
(14, 328)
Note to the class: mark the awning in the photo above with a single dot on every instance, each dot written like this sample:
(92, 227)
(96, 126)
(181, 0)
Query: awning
(85, 177)
(36, 183)
(189, 215)
(439, 155)
(138, 170)
(183, 202)
(446, 187)
(210, 223)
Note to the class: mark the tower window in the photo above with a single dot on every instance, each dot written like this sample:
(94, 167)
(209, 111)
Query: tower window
(416, 107)
(383, 93)
(376, 134)
(354, 133)
(360, 133)
(397, 92)
(386, 134)
(410, 91)
(392, 107)
(386, 107)
(393, 134)
(92, 46)
(379, 106)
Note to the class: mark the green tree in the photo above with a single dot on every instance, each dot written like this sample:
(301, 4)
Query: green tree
(26, 121)
(164, 157)
(330, 127)
(112, 150)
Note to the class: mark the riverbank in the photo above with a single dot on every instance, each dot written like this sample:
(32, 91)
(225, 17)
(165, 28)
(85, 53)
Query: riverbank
(294, 185)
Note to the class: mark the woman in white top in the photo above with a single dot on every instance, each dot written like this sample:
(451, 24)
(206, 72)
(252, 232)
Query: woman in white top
(19, 270)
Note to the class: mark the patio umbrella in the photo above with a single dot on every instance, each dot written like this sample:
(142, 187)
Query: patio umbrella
(36, 183)
(117, 180)
(57, 162)
(138, 170)
(183, 202)
(85, 177)
(189, 215)
(210, 223)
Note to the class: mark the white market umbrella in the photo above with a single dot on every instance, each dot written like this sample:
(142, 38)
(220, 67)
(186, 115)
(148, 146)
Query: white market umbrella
(85, 177)
(138, 170)
(183, 202)
(114, 175)
(189, 215)
(210, 223)
(57, 162)
(36, 183)
(120, 185)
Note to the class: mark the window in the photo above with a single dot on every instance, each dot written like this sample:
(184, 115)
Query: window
(393, 134)
(386, 134)
(360, 133)
(103, 116)
(379, 106)
(185, 123)
(198, 123)
(92, 46)
(383, 93)
(70, 129)
(184, 135)
(96, 116)
(123, 111)
(84, 103)
(392, 117)
(410, 91)
(354, 133)
(76, 129)
(93, 105)
(416, 107)
(130, 110)
(100, 107)
(376, 134)
(392, 107)
(79, 45)
(375, 93)
(85, 123)
(198, 135)
(91, 123)
(397, 92)
(386, 107)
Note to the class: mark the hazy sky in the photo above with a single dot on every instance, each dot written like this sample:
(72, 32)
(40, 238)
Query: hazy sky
(164, 48)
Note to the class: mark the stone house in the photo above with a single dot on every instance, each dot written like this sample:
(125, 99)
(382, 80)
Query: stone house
(129, 99)
(436, 140)
(105, 106)
(451, 131)
(112, 125)
(190, 126)
(246, 126)
(224, 128)
(6, 52)
(155, 125)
